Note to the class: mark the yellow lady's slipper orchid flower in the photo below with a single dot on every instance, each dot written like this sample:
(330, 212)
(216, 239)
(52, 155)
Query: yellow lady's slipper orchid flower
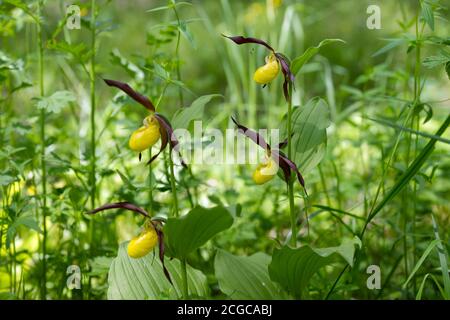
(267, 72)
(146, 136)
(144, 243)
(276, 3)
(265, 171)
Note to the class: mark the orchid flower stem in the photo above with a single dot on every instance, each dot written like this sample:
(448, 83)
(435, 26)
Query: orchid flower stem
(150, 182)
(92, 124)
(173, 185)
(92, 118)
(43, 164)
(290, 184)
(150, 169)
(93, 160)
(185, 279)
(180, 90)
(292, 214)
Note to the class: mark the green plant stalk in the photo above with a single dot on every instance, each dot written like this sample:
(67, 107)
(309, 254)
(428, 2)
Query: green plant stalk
(180, 90)
(92, 118)
(11, 268)
(292, 214)
(383, 176)
(93, 188)
(185, 279)
(176, 214)
(42, 121)
(414, 209)
(175, 210)
(173, 185)
(324, 185)
(252, 100)
(150, 182)
(14, 253)
(415, 119)
(290, 183)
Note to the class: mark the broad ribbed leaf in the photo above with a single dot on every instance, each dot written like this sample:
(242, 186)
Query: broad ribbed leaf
(246, 277)
(293, 268)
(184, 116)
(309, 123)
(191, 231)
(142, 279)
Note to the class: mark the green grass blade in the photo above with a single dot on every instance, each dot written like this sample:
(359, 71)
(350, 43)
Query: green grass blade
(419, 133)
(422, 285)
(430, 247)
(443, 260)
(410, 172)
(326, 208)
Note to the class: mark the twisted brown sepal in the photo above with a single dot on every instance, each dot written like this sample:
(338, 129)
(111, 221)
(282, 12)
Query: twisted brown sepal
(254, 136)
(160, 234)
(242, 40)
(120, 205)
(283, 143)
(167, 137)
(285, 163)
(136, 96)
(288, 75)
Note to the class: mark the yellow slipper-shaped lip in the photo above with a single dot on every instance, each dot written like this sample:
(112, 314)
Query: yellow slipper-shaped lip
(146, 136)
(141, 245)
(267, 72)
(265, 171)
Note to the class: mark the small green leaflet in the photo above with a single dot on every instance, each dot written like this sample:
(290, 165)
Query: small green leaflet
(183, 117)
(300, 61)
(26, 220)
(427, 14)
(56, 101)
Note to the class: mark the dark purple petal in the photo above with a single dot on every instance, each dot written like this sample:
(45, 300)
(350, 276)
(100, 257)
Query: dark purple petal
(254, 136)
(242, 40)
(283, 144)
(143, 100)
(121, 205)
(287, 165)
(164, 138)
(167, 137)
(161, 253)
(165, 124)
(283, 165)
(285, 89)
(288, 76)
(284, 61)
(293, 166)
